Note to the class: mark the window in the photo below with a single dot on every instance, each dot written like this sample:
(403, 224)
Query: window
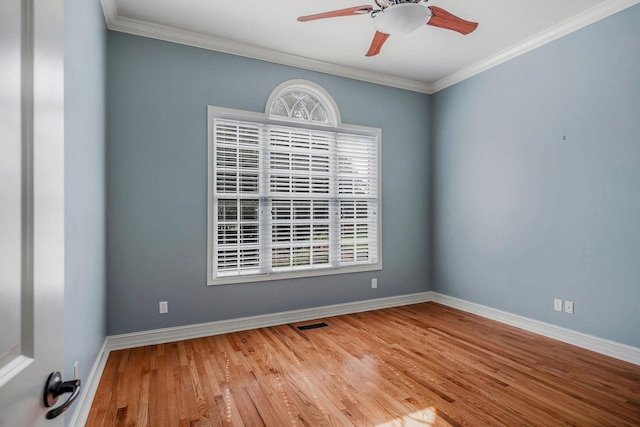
(293, 192)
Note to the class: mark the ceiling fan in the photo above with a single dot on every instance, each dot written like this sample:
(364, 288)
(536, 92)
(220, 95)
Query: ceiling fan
(399, 17)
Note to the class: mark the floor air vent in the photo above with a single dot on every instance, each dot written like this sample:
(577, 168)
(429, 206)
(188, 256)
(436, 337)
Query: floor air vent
(314, 326)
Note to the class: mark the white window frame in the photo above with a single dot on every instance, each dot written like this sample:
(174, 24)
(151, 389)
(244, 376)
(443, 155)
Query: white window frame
(333, 126)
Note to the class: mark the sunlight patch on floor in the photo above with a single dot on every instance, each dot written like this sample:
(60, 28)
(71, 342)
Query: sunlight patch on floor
(422, 418)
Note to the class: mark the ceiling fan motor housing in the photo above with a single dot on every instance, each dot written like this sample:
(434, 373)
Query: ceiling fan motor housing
(401, 18)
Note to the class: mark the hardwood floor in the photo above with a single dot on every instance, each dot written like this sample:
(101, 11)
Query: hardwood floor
(418, 365)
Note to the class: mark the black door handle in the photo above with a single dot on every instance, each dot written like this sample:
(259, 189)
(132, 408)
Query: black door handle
(53, 388)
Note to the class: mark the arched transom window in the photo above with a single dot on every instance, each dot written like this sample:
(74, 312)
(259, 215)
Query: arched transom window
(303, 100)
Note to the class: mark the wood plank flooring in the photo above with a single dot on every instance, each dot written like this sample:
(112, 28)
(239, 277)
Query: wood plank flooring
(418, 365)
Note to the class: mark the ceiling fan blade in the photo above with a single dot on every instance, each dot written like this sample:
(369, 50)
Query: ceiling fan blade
(376, 44)
(443, 19)
(358, 10)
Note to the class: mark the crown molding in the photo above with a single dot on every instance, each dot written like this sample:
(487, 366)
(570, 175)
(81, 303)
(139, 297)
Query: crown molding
(588, 17)
(160, 32)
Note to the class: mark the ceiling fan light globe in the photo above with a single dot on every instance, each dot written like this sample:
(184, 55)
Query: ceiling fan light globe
(401, 18)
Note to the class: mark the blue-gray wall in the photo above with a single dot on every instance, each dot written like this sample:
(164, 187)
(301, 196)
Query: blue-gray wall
(510, 189)
(537, 182)
(85, 122)
(157, 185)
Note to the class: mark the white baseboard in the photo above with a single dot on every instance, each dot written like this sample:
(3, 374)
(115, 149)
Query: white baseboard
(90, 386)
(158, 336)
(589, 342)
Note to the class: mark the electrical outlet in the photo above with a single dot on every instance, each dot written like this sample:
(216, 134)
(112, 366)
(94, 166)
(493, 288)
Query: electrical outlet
(557, 304)
(164, 307)
(374, 283)
(568, 307)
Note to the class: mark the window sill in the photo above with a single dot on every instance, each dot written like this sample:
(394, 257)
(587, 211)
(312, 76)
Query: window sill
(292, 275)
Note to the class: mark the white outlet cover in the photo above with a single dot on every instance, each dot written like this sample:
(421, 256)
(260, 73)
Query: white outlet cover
(568, 307)
(557, 304)
(163, 307)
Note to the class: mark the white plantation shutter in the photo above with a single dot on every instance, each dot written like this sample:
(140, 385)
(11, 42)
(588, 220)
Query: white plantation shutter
(291, 200)
(299, 161)
(357, 176)
(300, 187)
(236, 184)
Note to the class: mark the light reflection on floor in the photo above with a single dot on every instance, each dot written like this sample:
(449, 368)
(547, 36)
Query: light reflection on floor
(423, 418)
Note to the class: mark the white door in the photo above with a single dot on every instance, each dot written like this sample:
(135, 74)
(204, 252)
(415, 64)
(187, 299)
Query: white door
(31, 208)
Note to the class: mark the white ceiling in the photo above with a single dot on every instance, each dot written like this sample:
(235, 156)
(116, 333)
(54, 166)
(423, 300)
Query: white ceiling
(426, 60)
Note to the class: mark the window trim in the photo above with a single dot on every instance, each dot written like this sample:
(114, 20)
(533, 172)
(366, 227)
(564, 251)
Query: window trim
(233, 114)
